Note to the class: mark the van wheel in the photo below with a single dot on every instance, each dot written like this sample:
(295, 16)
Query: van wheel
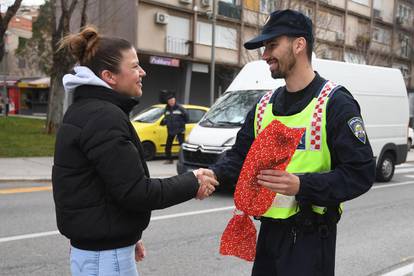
(385, 168)
(149, 150)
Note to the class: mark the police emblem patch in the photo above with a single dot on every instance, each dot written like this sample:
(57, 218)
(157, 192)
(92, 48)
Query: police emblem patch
(357, 127)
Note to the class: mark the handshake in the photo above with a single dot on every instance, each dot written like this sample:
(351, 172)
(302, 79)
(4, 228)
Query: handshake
(208, 182)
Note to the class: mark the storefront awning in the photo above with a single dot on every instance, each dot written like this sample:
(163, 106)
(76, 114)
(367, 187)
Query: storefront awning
(37, 83)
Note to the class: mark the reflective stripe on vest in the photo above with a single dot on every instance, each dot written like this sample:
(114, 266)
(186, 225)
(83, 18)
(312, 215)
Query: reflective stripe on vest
(311, 155)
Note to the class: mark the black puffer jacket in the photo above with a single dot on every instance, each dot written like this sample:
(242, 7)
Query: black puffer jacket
(175, 118)
(101, 185)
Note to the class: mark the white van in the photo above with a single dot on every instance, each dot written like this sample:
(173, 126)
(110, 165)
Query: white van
(380, 91)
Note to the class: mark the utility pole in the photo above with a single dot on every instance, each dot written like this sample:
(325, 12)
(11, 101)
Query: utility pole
(213, 52)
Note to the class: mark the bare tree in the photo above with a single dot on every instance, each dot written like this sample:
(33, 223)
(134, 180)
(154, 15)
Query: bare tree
(61, 60)
(4, 23)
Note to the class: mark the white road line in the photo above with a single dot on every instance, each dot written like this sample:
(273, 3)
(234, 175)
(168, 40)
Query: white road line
(185, 214)
(28, 236)
(51, 233)
(400, 171)
(409, 176)
(392, 185)
(405, 270)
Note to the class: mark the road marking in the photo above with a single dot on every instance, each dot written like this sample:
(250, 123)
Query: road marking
(51, 233)
(25, 190)
(405, 270)
(28, 236)
(192, 213)
(185, 214)
(392, 185)
(409, 176)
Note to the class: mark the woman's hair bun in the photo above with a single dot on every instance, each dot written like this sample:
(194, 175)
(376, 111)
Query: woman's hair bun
(82, 45)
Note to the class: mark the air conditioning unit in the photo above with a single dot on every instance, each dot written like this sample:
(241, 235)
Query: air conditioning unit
(206, 3)
(340, 36)
(186, 2)
(161, 18)
(377, 14)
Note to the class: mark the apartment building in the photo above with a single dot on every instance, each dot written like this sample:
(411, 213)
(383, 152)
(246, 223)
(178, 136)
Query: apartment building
(174, 37)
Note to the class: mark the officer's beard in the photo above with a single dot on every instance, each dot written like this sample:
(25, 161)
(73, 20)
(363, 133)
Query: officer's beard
(285, 65)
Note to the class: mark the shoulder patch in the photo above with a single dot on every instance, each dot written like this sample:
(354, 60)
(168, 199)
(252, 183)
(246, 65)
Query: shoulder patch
(357, 127)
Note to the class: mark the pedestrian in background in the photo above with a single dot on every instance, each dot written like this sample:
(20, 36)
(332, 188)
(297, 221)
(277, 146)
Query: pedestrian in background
(6, 101)
(102, 189)
(333, 163)
(175, 117)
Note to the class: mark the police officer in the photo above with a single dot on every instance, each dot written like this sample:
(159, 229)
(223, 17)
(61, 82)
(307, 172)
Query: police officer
(332, 164)
(175, 117)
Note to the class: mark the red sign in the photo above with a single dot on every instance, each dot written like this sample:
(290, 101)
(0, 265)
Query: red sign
(173, 62)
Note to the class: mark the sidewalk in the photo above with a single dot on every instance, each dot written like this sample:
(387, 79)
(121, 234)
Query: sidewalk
(40, 168)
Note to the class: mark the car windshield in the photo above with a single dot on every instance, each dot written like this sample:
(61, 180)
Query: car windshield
(231, 109)
(149, 115)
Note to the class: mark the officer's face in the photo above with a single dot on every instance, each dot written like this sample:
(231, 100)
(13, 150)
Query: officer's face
(278, 53)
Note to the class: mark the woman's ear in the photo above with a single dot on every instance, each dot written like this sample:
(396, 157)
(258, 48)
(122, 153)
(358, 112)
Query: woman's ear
(108, 77)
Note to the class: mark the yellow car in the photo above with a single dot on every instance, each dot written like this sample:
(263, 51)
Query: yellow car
(153, 134)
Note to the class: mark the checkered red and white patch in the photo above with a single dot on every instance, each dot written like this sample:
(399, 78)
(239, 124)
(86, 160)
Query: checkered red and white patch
(316, 125)
(261, 109)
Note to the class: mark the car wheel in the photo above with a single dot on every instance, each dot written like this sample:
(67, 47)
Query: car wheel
(385, 168)
(409, 144)
(149, 150)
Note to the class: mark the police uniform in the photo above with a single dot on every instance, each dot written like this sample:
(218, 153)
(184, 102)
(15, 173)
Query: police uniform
(335, 163)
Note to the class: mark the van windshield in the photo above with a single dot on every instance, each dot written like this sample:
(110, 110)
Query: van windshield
(149, 115)
(231, 109)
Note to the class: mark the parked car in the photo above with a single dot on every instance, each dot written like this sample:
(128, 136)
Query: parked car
(410, 138)
(153, 134)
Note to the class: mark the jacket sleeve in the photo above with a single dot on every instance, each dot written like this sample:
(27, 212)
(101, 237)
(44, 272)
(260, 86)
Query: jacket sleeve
(353, 165)
(228, 167)
(185, 114)
(107, 143)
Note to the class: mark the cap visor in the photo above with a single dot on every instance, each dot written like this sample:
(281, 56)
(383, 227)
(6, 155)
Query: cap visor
(258, 41)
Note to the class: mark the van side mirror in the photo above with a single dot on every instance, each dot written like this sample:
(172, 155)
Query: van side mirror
(163, 123)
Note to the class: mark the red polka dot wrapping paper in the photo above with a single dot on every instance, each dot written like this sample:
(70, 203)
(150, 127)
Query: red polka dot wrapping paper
(273, 148)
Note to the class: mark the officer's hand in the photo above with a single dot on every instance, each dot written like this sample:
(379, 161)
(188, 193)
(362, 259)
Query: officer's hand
(280, 182)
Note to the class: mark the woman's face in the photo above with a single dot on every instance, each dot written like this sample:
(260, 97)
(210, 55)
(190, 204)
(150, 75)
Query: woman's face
(129, 79)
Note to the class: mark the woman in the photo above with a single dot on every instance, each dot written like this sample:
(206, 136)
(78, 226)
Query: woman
(101, 186)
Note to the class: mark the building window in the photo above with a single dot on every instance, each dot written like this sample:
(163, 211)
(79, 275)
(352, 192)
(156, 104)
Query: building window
(268, 6)
(362, 2)
(405, 45)
(381, 36)
(404, 13)
(308, 11)
(354, 58)
(404, 70)
(178, 35)
(225, 37)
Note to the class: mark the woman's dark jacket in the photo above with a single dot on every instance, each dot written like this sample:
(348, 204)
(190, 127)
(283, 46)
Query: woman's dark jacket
(101, 185)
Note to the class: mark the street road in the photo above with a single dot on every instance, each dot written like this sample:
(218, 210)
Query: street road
(376, 231)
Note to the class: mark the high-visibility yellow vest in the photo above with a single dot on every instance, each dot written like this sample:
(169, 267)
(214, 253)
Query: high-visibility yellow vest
(312, 154)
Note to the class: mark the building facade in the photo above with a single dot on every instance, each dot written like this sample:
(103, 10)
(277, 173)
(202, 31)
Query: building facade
(174, 37)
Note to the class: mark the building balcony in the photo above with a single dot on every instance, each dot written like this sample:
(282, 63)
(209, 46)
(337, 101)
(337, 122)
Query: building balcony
(177, 46)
